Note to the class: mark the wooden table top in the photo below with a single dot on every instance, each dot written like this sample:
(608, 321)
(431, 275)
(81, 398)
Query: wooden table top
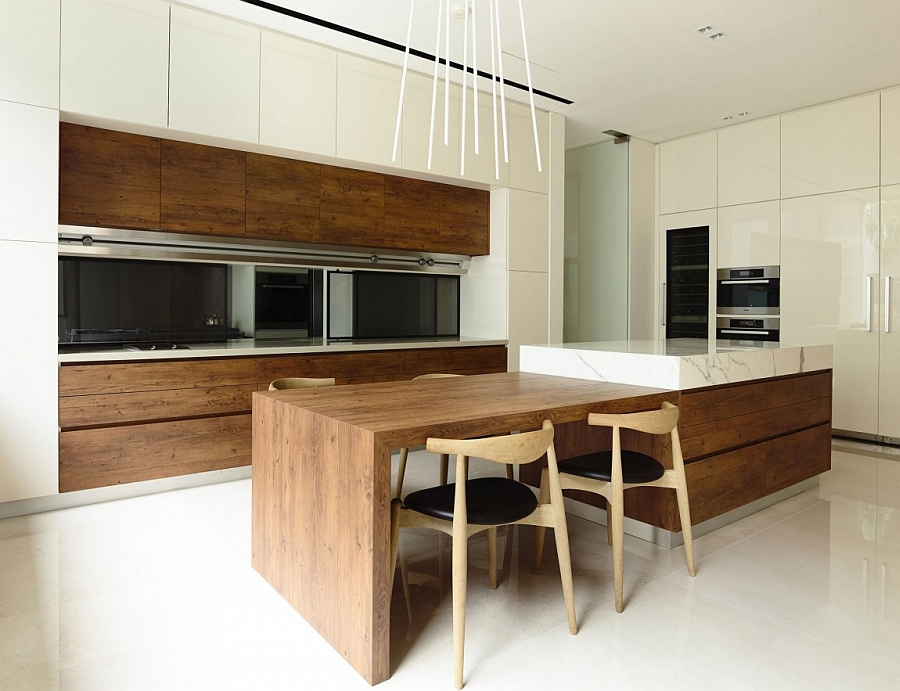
(405, 413)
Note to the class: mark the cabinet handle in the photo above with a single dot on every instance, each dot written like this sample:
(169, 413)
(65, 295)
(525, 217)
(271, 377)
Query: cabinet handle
(662, 304)
(740, 283)
(887, 304)
(868, 303)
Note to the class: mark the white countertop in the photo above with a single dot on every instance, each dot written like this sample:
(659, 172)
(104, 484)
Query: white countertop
(249, 347)
(683, 363)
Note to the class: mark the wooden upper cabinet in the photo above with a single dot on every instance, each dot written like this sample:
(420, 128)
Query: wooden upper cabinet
(108, 179)
(412, 210)
(352, 211)
(465, 220)
(283, 198)
(202, 189)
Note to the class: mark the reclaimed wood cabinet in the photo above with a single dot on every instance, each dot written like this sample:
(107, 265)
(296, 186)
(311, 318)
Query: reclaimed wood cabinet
(283, 198)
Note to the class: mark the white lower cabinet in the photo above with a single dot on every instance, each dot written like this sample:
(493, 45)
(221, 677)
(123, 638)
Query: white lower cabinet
(889, 309)
(28, 378)
(528, 308)
(829, 294)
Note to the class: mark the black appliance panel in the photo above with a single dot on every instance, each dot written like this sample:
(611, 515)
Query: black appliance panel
(687, 282)
(749, 291)
(748, 328)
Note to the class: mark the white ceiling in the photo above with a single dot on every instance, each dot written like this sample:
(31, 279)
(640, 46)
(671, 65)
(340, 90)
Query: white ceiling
(639, 66)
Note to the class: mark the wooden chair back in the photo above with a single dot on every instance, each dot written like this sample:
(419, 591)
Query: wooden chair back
(512, 449)
(660, 421)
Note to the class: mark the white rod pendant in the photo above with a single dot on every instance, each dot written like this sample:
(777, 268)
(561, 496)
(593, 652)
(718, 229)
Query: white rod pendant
(537, 147)
(502, 86)
(447, 74)
(475, 77)
(437, 45)
(494, 96)
(465, 74)
(412, 7)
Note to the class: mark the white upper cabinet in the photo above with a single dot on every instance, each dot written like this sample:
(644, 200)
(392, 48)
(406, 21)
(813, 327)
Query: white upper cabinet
(750, 162)
(29, 173)
(417, 126)
(529, 231)
(831, 148)
(890, 137)
(750, 235)
(214, 79)
(29, 52)
(114, 60)
(297, 92)
(482, 166)
(368, 93)
(523, 170)
(687, 174)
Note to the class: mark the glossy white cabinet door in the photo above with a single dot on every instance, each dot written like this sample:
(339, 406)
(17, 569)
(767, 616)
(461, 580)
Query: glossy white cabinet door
(523, 171)
(831, 148)
(750, 162)
(889, 391)
(29, 52)
(528, 305)
(829, 293)
(529, 231)
(890, 137)
(750, 235)
(214, 79)
(687, 174)
(28, 379)
(297, 92)
(417, 127)
(480, 167)
(114, 60)
(29, 173)
(368, 93)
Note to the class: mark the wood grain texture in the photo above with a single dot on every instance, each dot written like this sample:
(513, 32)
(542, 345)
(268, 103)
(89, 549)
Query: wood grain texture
(203, 189)
(346, 368)
(108, 179)
(117, 455)
(283, 197)
(465, 220)
(412, 214)
(321, 482)
(103, 410)
(155, 375)
(468, 360)
(352, 207)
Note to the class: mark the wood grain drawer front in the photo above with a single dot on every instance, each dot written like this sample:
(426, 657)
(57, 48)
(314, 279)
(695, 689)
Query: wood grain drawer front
(465, 360)
(117, 455)
(283, 198)
(203, 189)
(125, 377)
(412, 211)
(352, 211)
(465, 220)
(108, 179)
(346, 368)
(103, 410)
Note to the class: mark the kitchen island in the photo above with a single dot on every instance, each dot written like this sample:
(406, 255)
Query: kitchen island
(755, 422)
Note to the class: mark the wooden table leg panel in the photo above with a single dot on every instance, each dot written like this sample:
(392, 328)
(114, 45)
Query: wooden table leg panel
(323, 542)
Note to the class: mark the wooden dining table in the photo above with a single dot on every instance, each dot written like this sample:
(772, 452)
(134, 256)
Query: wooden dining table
(322, 482)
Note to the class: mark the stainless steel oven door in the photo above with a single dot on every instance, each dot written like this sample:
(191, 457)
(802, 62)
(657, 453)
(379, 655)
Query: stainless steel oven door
(748, 328)
(748, 291)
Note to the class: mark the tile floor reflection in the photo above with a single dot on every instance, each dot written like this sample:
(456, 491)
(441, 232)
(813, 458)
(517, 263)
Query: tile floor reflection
(157, 593)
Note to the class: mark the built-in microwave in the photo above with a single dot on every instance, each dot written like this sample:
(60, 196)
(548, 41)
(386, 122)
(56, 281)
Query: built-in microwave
(748, 291)
(288, 303)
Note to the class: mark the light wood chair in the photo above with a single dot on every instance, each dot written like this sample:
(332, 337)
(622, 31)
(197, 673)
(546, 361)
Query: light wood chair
(468, 507)
(300, 383)
(610, 473)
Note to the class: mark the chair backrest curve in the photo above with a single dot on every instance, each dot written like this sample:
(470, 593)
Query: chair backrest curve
(509, 449)
(660, 421)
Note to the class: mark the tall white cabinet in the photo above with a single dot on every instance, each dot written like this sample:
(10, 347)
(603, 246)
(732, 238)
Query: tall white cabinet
(889, 315)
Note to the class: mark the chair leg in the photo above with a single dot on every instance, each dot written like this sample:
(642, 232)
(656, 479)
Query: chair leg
(445, 465)
(509, 472)
(492, 556)
(684, 512)
(404, 580)
(543, 498)
(565, 565)
(609, 525)
(617, 509)
(460, 568)
(401, 471)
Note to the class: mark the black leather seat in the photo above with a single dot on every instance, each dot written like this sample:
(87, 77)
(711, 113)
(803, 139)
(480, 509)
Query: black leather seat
(489, 501)
(636, 467)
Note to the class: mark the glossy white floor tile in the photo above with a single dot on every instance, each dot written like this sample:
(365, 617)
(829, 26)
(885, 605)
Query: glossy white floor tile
(157, 593)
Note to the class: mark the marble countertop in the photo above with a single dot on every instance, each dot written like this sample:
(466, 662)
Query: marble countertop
(249, 347)
(683, 363)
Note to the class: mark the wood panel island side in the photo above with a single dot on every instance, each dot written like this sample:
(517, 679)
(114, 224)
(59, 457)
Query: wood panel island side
(755, 423)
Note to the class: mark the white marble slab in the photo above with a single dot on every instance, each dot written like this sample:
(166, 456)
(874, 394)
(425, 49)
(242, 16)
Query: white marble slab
(674, 364)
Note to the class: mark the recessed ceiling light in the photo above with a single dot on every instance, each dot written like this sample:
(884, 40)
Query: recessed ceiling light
(704, 29)
(744, 114)
(716, 37)
(728, 117)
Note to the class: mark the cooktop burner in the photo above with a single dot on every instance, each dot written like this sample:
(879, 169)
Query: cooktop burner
(155, 346)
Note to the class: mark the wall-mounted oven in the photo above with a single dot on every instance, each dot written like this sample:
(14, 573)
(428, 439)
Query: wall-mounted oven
(747, 328)
(751, 290)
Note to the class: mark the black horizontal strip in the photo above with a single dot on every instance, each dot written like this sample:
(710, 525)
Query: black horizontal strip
(262, 4)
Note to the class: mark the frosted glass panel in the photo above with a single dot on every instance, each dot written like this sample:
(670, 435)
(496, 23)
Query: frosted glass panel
(595, 294)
